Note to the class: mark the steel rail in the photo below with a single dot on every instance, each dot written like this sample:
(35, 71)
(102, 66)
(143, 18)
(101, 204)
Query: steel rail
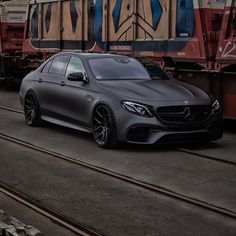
(11, 109)
(154, 188)
(201, 155)
(76, 227)
(183, 150)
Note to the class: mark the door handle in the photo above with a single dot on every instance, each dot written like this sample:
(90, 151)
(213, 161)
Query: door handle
(62, 83)
(40, 80)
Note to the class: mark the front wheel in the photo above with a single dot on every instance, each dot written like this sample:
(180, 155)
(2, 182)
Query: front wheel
(31, 110)
(104, 128)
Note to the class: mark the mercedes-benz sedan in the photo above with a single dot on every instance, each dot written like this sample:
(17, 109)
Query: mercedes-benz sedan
(118, 100)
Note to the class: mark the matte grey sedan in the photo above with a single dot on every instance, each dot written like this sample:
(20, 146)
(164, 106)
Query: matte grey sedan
(118, 100)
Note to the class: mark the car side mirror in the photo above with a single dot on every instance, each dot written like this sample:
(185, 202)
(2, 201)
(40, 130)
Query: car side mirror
(78, 76)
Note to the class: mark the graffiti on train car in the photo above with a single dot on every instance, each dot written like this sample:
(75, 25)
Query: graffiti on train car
(229, 51)
(147, 25)
(137, 27)
(227, 44)
(72, 28)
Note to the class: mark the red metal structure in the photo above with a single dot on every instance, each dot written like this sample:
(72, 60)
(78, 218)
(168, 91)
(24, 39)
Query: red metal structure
(226, 59)
(12, 22)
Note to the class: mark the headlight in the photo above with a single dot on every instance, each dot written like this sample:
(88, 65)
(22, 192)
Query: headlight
(215, 108)
(138, 109)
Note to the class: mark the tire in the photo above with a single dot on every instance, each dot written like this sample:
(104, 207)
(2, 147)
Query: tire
(104, 128)
(32, 110)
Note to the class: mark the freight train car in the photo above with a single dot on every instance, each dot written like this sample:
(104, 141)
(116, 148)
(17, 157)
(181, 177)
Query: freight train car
(168, 30)
(159, 28)
(12, 22)
(195, 39)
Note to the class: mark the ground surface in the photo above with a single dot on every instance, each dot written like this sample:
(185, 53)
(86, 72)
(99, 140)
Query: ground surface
(110, 205)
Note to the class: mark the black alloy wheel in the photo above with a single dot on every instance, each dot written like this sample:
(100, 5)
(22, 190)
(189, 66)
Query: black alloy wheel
(31, 110)
(104, 129)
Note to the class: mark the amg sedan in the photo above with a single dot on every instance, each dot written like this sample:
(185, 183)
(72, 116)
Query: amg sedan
(117, 99)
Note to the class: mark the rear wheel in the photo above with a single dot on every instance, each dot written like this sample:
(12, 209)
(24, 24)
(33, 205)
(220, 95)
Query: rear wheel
(31, 110)
(104, 128)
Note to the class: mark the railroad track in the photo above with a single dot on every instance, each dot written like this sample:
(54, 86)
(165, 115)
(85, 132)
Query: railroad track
(11, 109)
(182, 150)
(208, 157)
(154, 188)
(77, 227)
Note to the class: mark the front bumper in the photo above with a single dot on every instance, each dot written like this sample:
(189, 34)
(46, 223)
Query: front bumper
(140, 130)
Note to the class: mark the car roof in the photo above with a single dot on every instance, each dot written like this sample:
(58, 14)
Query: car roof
(91, 55)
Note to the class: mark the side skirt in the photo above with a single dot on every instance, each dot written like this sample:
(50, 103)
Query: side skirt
(66, 124)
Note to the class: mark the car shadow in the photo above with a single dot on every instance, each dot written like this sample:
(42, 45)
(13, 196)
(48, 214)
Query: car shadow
(68, 131)
(171, 147)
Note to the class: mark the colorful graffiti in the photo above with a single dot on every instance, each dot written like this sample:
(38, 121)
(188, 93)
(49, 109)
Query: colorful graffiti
(185, 25)
(140, 25)
(229, 50)
(156, 10)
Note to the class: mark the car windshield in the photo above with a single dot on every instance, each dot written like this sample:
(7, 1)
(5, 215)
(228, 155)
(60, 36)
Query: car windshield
(118, 69)
(155, 72)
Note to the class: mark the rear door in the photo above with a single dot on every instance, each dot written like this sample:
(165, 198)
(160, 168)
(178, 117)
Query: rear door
(51, 87)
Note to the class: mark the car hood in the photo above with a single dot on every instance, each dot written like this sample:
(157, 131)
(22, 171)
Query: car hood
(153, 90)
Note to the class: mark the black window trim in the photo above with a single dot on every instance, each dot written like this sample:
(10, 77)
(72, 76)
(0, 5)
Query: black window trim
(67, 64)
(47, 62)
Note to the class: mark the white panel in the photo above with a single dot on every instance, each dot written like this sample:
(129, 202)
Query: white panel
(14, 11)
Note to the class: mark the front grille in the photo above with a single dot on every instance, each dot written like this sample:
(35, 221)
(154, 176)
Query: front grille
(138, 134)
(183, 114)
